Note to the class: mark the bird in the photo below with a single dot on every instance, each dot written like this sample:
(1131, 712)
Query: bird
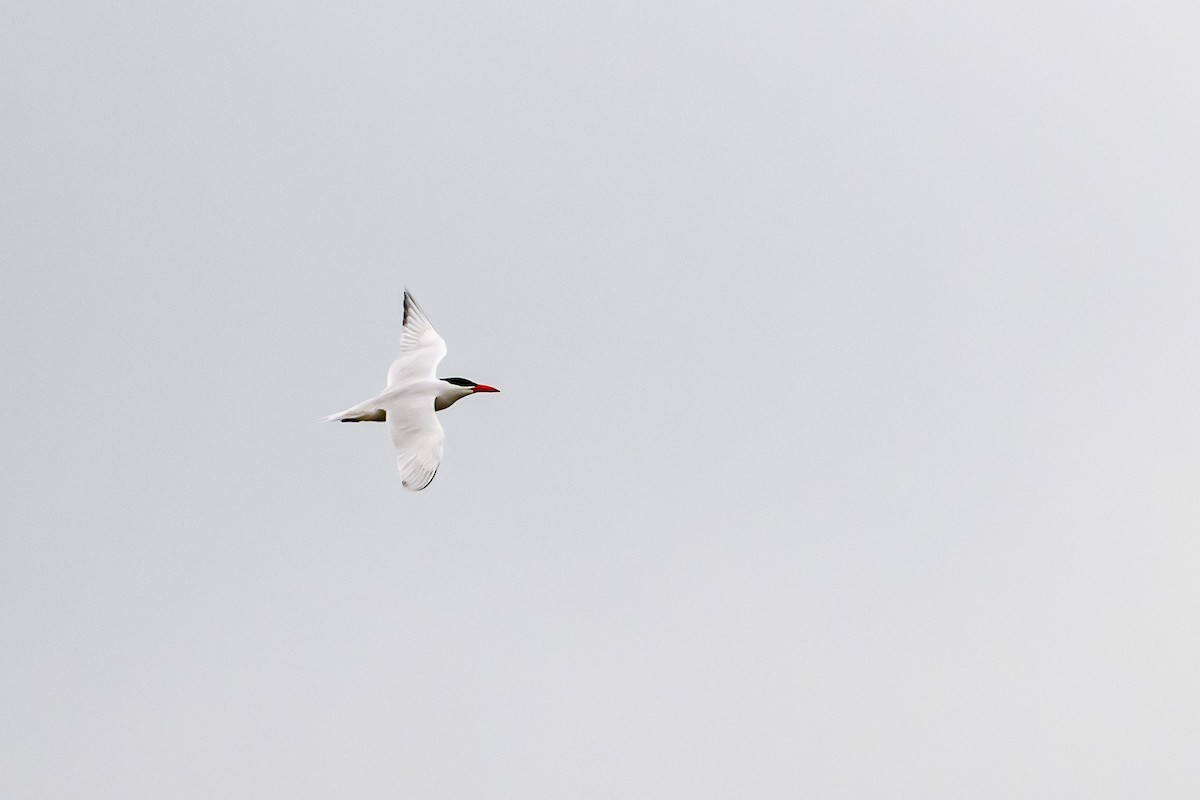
(413, 395)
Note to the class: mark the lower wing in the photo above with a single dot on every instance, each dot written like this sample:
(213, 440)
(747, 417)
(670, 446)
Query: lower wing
(417, 436)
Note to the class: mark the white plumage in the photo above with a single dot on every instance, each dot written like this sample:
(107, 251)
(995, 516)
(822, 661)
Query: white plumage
(412, 397)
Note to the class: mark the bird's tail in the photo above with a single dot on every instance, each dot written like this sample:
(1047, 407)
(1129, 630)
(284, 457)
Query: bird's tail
(367, 411)
(378, 415)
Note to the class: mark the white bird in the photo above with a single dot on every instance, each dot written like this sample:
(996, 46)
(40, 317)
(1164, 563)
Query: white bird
(412, 396)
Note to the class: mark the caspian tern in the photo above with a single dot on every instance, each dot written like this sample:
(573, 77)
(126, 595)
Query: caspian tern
(412, 396)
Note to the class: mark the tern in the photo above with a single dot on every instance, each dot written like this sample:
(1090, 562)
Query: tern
(412, 396)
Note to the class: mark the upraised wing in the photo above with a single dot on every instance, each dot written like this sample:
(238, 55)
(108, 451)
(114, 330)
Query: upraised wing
(418, 438)
(420, 347)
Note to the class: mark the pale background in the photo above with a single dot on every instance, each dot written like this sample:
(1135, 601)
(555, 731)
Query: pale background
(848, 441)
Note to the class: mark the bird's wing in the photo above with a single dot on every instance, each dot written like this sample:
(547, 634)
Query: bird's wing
(420, 347)
(418, 437)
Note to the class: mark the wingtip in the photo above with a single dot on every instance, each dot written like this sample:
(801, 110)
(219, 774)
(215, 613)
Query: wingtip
(409, 304)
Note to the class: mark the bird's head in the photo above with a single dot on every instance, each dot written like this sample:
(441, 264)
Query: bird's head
(458, 388)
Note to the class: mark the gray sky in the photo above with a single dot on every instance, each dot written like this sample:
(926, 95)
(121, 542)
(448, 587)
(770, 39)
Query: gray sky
(847, 444)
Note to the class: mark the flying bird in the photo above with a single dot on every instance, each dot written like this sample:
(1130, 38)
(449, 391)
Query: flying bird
(412, 396)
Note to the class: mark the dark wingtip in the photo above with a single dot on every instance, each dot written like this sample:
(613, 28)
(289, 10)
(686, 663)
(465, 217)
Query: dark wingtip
(410, 303)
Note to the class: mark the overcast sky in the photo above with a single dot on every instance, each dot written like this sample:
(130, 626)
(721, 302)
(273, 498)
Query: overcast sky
(848, 439)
